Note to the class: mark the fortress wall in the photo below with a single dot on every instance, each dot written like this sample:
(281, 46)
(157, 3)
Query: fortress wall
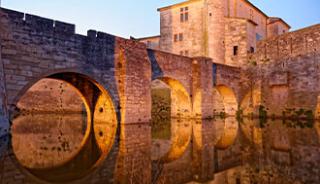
(290, 45)
(291, 72)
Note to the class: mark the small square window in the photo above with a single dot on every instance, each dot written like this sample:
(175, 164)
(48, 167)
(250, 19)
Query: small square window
(186, 53)
(235, 50)
(181, 52)
(251, 49)
(186, 8)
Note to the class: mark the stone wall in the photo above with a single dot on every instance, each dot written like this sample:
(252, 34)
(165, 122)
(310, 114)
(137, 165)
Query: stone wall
(289, 71)
(215, 30)
(4, 124)
(236, 35)
(193, 37)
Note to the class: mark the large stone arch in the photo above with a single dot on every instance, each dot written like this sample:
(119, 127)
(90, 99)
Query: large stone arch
(224, 100)
(100, 133)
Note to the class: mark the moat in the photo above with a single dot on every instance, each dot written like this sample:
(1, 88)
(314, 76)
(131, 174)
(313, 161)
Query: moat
(46, 147)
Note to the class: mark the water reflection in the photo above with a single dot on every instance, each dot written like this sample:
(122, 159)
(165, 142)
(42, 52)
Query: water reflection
(177, 151)
(45, 141)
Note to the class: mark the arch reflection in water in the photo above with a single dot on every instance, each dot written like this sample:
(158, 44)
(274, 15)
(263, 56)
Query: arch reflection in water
(168, 149)
(65, 147)
(45, 141)
(252, 131)
(224, 100)
(226, 132)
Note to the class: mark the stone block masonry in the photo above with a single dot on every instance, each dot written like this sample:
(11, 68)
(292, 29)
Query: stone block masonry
(4, 123)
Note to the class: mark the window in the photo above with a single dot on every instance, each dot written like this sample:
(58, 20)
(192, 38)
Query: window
(184, 53)
(251, 14)
(258, 37)
(251, 49)
(175, 38)
(235, 50)
(184, 14)
(180, 37)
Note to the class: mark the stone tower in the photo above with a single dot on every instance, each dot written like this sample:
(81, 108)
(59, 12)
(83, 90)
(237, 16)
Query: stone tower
(214, 30)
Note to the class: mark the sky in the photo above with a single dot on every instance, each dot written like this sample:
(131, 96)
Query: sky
(139, 18)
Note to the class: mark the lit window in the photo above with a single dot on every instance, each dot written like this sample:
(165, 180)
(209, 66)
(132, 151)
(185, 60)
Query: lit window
(184, 14)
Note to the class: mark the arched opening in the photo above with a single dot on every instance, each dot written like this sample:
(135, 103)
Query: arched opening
(225, 101)
(173, 95)
(171, 126)
(251, 102)
(64, 127)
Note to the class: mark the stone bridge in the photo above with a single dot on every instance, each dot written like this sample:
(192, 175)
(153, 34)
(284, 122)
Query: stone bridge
(113, 77)
(104, 69)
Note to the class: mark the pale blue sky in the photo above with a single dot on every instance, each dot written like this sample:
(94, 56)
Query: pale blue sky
(139, 18)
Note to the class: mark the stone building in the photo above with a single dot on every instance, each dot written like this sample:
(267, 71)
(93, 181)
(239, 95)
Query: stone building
(224, 30)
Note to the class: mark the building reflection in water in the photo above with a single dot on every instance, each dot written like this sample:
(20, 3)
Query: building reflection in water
(52, 148)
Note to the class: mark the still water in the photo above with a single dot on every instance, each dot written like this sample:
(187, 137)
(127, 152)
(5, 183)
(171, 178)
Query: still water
(63, 148)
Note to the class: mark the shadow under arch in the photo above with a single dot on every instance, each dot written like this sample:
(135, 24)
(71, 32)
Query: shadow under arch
(100, 133)
(180, 99)
(225, 100)
(226, 132)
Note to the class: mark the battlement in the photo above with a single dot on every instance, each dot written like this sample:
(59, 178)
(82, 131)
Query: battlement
(44, 26)
(39, 23)
(293, 44)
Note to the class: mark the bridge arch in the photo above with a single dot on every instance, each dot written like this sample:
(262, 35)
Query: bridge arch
(99, 135)
(180, 98)
(177, 127)
(224, 100)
